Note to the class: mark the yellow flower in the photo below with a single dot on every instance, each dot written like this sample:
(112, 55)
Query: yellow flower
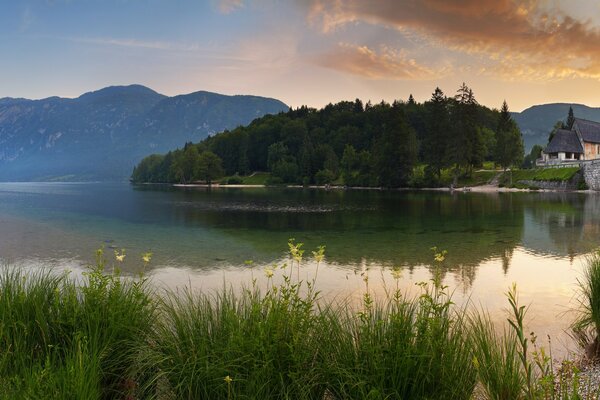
(269, 273)
(228, 379)
(396, 273)
(319, 254)
(120, 256)
(146, 257)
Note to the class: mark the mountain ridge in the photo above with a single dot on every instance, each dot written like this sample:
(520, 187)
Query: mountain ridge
(102, 134)
(536, 122)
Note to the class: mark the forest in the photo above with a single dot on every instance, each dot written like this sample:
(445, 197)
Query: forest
(352, 144)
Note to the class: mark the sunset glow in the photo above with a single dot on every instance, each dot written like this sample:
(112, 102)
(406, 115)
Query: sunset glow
(307, 51)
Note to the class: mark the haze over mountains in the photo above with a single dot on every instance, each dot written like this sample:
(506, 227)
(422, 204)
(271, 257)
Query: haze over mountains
(101, 135)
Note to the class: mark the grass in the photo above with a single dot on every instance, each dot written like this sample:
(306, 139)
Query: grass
(110, 337)
(544, 174)
(587, 326)
(257, 178)
(477, 178)
(64, 340)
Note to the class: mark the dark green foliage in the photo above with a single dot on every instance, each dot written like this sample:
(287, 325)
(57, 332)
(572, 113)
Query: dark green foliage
(374, 145)
(534, 154)
(208, 167)
(325, 176)
(436, 142)
(234, 180)
(395, 152)
(570, 119)
(509, 143)
(466, 148)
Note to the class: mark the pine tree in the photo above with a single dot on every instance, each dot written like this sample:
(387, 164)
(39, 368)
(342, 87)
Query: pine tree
(438, 132)
(509, 143)
(395, 151)
(466, 146)
(570, 119)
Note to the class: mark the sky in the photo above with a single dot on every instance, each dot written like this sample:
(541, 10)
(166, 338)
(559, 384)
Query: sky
(306, 52)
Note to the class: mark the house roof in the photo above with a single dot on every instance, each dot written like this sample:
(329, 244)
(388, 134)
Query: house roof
(589, 130)
(564, 141)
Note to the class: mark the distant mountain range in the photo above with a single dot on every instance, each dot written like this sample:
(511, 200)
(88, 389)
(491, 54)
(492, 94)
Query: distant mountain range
(536, 122)
(101, 135)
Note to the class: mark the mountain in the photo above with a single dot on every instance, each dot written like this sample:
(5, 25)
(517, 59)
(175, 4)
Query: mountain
(102, 135)
(536, 122)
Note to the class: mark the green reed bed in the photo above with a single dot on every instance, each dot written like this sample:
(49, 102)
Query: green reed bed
(106, 337)
(61, 339)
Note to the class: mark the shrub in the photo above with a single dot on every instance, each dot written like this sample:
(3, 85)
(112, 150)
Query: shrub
(235, 180)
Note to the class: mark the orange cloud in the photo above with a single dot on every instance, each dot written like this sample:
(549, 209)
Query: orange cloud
(384, 64)
(517, 39)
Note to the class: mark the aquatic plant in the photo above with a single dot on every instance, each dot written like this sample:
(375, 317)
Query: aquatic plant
(586, 327)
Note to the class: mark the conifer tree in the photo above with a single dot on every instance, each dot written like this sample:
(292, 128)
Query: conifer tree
(438, 132)
(570, 119)
(509, 142)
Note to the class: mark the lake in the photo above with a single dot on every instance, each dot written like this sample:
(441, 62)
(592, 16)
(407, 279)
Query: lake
(204, 237)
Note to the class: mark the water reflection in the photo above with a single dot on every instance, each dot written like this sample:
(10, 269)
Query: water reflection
(221, 228)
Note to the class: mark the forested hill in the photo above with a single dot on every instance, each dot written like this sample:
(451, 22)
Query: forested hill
(101, 135)
(537, 122)
(348, 142)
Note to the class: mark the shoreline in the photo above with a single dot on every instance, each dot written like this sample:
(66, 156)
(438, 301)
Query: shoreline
(465, 189)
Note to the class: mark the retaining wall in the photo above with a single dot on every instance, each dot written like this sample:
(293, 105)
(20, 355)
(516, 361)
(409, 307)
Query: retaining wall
(591, 174)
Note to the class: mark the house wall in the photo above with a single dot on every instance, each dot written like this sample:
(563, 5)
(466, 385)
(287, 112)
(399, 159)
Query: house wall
(591, 151)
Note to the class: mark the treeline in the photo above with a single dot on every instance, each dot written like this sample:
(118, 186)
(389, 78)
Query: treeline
(351, 143)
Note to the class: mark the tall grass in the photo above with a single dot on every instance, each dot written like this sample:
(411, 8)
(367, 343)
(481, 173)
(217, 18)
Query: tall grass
(402, 349)
(587, 326)
(106, 337)
(64, 339)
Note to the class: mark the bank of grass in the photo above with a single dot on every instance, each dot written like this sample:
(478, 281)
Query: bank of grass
(106, 337)
(541, 174)
(61, 340)
(420, 178)
(256, 178)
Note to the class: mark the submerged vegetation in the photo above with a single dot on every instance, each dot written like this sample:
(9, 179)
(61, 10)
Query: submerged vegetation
(105, 336)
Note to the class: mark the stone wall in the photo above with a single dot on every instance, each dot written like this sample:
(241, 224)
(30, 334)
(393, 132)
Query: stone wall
(572, 184)
(591, 174)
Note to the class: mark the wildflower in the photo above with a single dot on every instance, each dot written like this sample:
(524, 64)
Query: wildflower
(146, 257)
(120, 256)
(396, 273)
(249, 263)
(228, 379)
(319, 254)
(269, 273)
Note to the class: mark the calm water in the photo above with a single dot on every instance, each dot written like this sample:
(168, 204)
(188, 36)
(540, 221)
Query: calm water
(203, 237)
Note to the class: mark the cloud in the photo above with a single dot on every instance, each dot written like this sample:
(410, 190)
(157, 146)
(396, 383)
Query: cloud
(228, 6)
(383, 64)
(527, 39)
